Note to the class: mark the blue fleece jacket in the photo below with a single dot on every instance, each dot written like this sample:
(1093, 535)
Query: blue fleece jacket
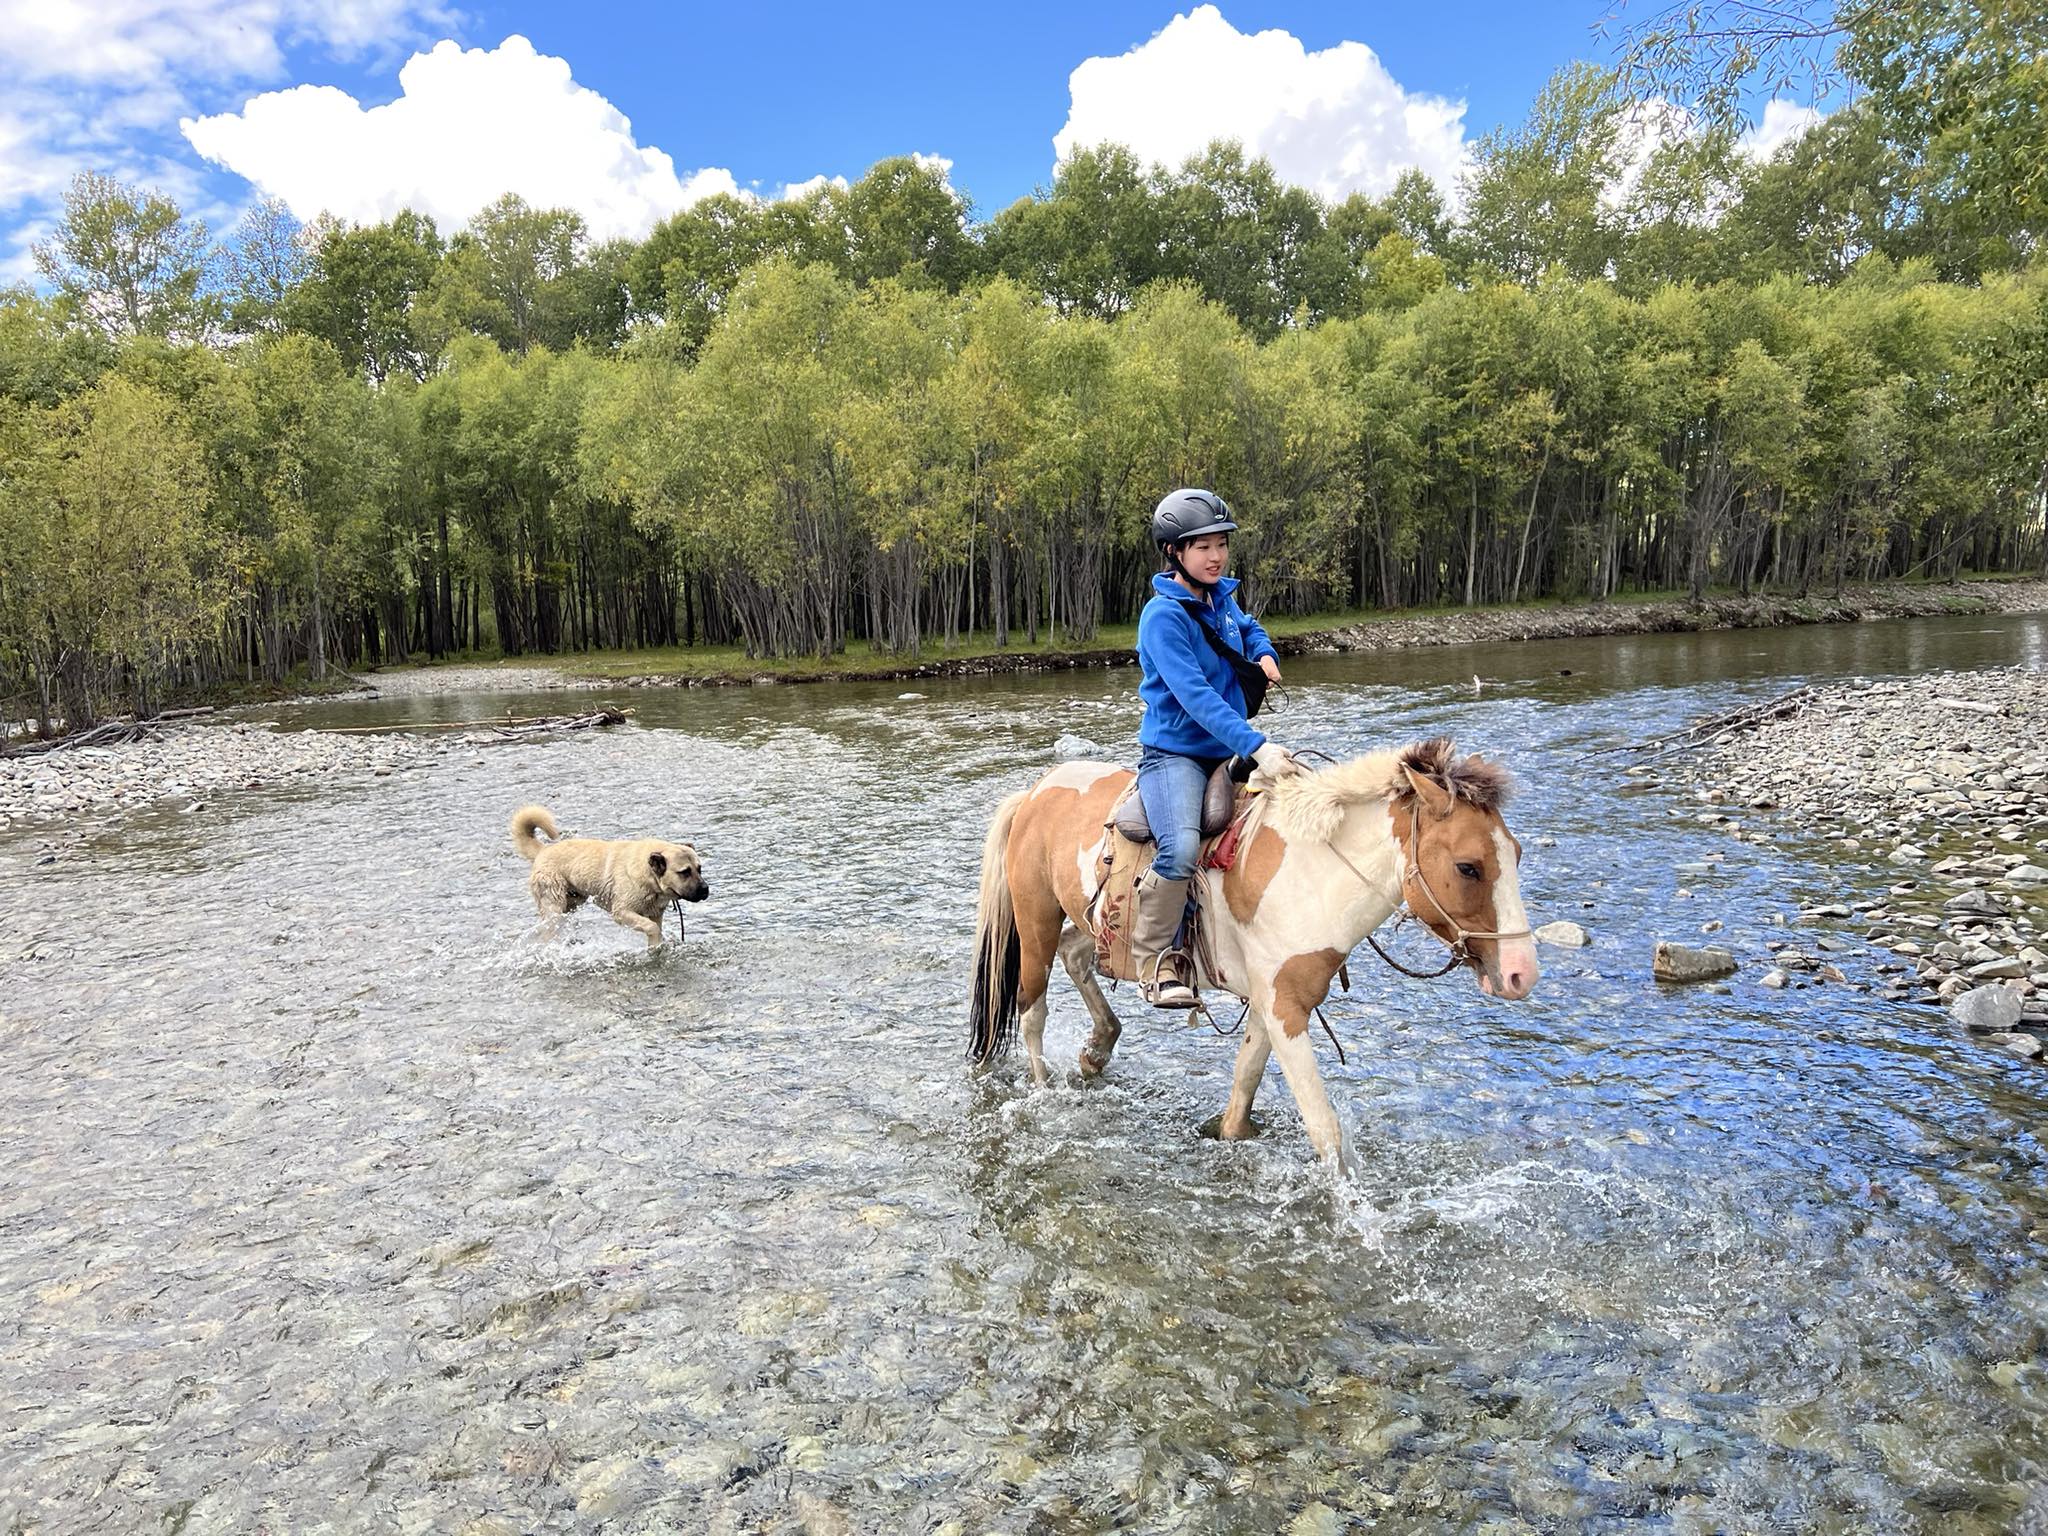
(1193, 703)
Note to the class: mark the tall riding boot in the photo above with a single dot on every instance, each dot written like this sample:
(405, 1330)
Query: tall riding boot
(1164, 973)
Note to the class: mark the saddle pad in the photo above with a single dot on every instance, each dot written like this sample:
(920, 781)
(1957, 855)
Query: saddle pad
(1119, 862)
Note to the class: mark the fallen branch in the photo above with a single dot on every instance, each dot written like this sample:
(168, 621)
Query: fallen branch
(1746, 718)
(107, 733)
(1973, 706)
(507, 728)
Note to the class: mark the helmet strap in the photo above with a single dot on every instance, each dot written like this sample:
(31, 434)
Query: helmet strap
(1206, 588)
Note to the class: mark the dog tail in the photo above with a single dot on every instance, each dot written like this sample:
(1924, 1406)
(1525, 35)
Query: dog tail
(992, 1007)
(527, 820)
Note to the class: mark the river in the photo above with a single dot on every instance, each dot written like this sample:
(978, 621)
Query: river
(333, 1203)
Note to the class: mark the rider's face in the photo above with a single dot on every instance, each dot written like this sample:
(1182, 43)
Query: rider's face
(1207, 557)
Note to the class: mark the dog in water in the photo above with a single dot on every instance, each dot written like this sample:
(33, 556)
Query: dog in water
(633, 880)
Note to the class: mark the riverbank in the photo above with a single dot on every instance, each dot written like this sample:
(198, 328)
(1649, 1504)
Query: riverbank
(188, 763)
(1939, 784)
(705, 667)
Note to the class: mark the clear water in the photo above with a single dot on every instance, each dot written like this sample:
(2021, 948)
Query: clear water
(331, 1203)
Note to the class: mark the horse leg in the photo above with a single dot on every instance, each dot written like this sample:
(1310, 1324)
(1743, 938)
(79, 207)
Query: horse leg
(1244, 1080)
(1077, 954)
(1298, 1063)
(1038, 938)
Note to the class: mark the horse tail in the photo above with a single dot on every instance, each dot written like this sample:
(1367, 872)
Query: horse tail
(527, 820)
(992, 1007)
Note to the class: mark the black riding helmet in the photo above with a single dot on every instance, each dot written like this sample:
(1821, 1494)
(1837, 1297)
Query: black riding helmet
(1188, 514)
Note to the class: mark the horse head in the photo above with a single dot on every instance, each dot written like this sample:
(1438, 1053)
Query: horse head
(1461, 864)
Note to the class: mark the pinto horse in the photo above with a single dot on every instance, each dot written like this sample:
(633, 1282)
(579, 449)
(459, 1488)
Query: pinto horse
(1323, 859)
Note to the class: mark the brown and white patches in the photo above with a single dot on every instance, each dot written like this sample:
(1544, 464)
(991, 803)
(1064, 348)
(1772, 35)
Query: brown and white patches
(1258, 865)
(1300, 985)
(1077, 776)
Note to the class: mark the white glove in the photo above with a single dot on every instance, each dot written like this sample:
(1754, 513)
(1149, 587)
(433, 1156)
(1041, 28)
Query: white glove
(1275, 761)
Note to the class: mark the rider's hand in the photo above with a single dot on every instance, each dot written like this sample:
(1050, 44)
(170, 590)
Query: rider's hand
(1275, 761)
(1271, 668)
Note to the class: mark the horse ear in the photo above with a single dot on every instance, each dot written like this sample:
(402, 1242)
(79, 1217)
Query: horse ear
(1434, 797)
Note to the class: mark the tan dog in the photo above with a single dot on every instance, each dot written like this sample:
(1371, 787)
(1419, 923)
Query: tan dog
(634, 881)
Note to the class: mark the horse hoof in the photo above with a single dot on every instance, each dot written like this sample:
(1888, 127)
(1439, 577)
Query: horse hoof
(1212, 1129)
(1092, 1065)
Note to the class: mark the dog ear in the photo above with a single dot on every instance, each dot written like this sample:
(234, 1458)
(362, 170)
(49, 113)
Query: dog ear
(658, 862)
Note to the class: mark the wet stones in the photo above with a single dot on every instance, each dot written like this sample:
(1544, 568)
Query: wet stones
(188, 763)
(1934, 791)
(1562, 935)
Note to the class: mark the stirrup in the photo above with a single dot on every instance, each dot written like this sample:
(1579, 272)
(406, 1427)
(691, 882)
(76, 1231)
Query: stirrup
(1163, 988)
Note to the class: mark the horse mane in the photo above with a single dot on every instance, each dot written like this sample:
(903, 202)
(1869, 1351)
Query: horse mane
(1311, 806)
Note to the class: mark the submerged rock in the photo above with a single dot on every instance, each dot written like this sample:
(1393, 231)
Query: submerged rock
(1993, 1009)
(1680, 963)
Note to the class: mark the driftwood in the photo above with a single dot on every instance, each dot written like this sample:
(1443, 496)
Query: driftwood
(108, 733)
(504, 729)
(1747, 718)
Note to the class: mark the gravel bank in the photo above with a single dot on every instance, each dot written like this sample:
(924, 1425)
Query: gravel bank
(190, 762)
(1940, 785)
(408, 682)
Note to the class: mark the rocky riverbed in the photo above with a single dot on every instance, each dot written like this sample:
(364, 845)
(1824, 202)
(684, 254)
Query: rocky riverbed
(1940, 783)
(188, 763)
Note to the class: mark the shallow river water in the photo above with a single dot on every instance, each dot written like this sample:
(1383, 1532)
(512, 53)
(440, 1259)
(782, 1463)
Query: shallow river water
(332, 1203)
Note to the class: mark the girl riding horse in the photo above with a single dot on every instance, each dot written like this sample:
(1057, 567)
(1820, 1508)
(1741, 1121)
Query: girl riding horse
(1193, 643)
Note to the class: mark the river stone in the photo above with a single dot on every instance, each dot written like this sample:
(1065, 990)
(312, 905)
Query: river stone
(1680, 962)
(1069, 747)
(2018, 1042)
(2006, 968)
(1989, 1009)
(1562, 935)
(2027, 874)
(1773, 979)
(1906, 853)
(1979, 903)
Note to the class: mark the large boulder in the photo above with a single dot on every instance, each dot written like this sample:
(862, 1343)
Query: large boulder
(1681, 962)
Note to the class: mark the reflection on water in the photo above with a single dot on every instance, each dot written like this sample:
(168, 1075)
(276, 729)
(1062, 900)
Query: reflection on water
(333, 1203)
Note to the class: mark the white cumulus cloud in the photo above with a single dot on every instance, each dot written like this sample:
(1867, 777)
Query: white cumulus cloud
(1783, 121)
(1332, 120)
(467, 127)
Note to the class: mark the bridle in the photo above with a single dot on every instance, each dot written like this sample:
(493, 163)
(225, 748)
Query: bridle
(1461, 953)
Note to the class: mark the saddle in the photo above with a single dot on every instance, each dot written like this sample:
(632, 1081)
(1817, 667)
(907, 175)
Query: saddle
(1219, 805)
(1125, 853)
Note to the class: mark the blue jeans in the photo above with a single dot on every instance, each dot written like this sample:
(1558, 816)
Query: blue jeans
(1171, 787)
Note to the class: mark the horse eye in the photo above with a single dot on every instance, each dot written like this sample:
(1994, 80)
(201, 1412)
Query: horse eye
(1469, 871)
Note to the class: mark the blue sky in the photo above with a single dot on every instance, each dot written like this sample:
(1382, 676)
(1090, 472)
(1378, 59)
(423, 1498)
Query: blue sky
(627, 111)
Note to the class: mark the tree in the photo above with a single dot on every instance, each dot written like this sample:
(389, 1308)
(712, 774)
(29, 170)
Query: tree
(109, 575)
(261, 265)
(904, 220)
(1534, 198)
(364, 294)
(128, 263)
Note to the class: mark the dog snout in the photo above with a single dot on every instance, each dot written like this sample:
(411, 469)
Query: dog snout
(695, 889)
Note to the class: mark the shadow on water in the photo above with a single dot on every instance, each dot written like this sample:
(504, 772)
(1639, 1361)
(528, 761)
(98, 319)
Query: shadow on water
(334, 1202)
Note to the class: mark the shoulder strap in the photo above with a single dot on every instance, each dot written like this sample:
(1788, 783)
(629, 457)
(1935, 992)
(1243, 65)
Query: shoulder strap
(1251, 679)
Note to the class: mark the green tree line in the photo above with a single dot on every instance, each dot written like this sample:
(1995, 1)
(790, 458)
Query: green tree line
(862, 414)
